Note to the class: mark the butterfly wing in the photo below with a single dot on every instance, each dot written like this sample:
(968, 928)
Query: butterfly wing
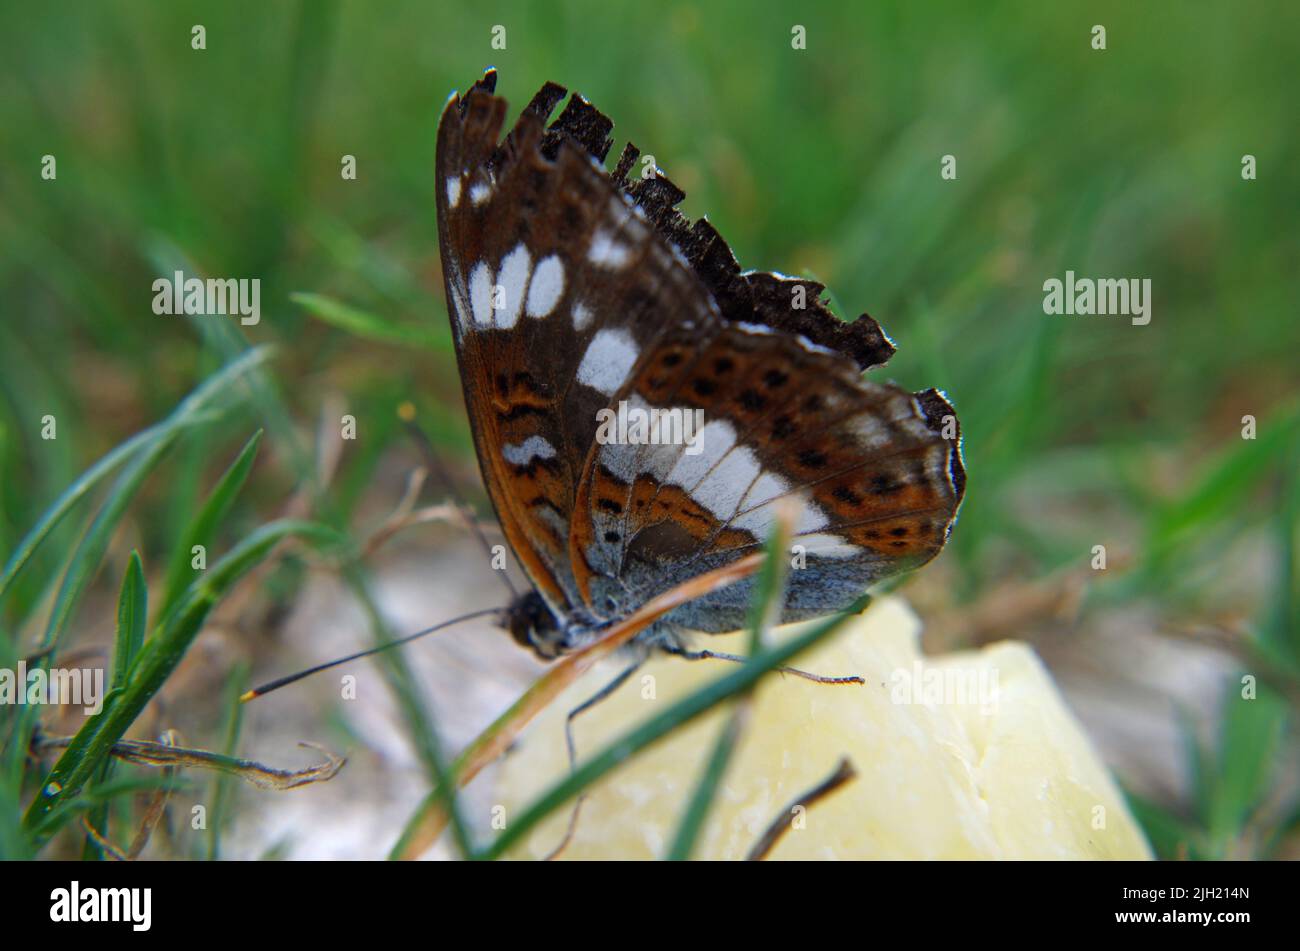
(573, 290)
(879, 481)
(556, 286)
(786, 412)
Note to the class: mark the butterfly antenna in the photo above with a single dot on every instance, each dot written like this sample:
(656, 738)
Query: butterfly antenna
(406, 412)
(293, 678)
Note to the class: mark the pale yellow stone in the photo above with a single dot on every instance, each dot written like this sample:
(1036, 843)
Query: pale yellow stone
(1001, 771)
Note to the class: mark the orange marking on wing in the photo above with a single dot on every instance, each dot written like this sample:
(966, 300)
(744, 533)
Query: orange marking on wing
(903, 536)
(581, 537)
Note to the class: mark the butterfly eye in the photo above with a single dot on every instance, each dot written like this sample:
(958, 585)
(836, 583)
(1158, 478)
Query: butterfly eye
(519, 629)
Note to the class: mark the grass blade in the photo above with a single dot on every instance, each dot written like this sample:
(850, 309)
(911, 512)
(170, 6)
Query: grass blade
(1170, 836)
(156, 661)
(186, 414)
(201, 529)
(701, 801)
(363, 324)
(85, 561)
(51, 517)
(683, 711)
(132, 611)
(1280, 630)
(426, 824)
(418, 717)
(1251, 732)
(1216, 496)
(222, 795)
(90, 551)
(769, 597)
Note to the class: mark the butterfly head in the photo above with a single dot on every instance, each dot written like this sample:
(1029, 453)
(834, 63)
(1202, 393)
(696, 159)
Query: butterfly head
(533, 624)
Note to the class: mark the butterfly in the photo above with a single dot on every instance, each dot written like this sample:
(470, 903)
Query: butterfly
(574, 291)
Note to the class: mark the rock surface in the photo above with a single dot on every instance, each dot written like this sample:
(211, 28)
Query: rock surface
(967, 756)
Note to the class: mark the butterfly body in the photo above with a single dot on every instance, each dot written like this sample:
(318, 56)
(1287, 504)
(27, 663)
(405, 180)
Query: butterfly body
(573, 291)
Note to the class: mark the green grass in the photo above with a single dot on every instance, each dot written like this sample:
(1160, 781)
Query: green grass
(825, 162)
(769, 594)
(683, 711)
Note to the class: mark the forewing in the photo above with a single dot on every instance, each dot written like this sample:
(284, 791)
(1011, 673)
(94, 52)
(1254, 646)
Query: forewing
(556, 286)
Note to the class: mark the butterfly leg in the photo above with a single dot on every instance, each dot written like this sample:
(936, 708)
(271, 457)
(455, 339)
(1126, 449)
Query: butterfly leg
(737, 659)
(572, 746)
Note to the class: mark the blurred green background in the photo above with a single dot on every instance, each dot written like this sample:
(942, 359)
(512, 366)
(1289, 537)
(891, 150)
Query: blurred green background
(1080, 431)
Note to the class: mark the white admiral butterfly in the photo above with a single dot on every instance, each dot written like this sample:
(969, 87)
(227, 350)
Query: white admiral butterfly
(574, 290)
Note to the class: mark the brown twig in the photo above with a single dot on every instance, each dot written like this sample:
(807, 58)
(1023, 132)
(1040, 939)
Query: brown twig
(152, 815)
(146, 753)
(844, 773)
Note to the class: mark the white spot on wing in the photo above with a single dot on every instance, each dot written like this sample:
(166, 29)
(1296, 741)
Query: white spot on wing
(606, 252)
(658, 461)
(513, 280)
(810, 519)
(525, 452)
(547, 287)
(480, 294)
(722, 488)
(827, 546)
(715, 439)
(609, 359)
(453, 191)
(768, 487)
(872, 433)
(619, 458)
(758, 521)
(581, 316)
(479, 192)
